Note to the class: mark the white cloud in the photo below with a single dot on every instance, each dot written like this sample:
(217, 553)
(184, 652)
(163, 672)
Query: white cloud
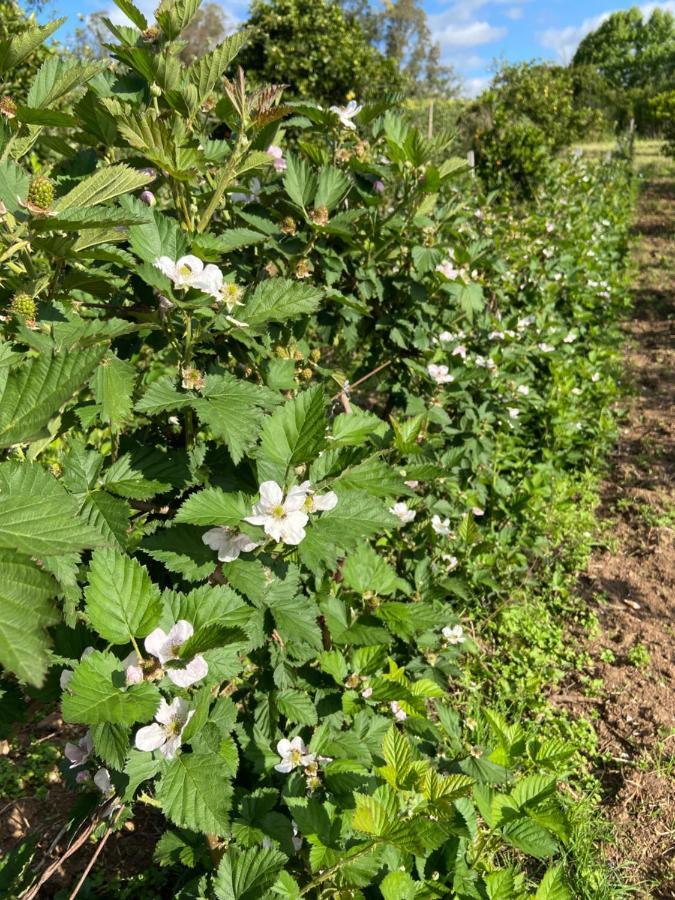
(514, 13)
(564, 41)
(472, 87)
(452, 34)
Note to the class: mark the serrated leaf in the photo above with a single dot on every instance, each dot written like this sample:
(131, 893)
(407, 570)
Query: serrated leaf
(215, 634)
(300, 182)
(531, 838)
(160, 236)
(552, 886)
(133, 13)
(213, 506)
(25, 613)
(278, 300)
(212, 246)
(140, 766)
(37, 515)
(162, 396)
(205, 72)
(296, 706)
(232, 409)
(247, 875)
(293, 434)
(175, 15)
(111, 743)
(365, 570)
(103, 185)
(122, 602)
(14, 183)
(195, 792)
(20, 46)
(332, 187)
(113, 385)
(97, 693)
(35, 391)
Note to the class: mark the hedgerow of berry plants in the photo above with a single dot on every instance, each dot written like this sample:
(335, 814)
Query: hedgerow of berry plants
(280, 397)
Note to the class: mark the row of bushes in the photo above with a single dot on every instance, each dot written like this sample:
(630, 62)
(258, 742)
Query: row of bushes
(279, 426)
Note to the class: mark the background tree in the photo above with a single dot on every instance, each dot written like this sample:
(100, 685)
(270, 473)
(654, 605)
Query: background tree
(318, 50)
(13, 21)
(207, 29)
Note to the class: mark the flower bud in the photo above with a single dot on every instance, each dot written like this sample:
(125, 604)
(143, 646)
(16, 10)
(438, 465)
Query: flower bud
(23, 306)
(41, 192)
(155, 89)
(148, 197)
(7, 107)
(319, 216)
(378, 186)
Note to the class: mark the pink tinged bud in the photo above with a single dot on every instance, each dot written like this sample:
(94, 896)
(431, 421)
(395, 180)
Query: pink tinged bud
(134, 675)
(82, 777)
(150, 172)
(378, 186)
(148, 197)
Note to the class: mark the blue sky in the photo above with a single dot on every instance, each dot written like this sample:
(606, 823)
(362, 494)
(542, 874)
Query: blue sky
(472, 33)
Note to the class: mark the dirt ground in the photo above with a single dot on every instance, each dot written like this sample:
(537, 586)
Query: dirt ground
(631, 582)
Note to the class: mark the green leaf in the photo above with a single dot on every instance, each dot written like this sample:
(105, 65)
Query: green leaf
(277, 300)
(25, 613)
(232, 409)
(553, 886)
(160, 236)
(300, 182)
(296, 706)
(37, 515)
(333, 185)
(97, 693)
(247, 875)
(293, 434)
(133, 13)
(351, 429)
(212, 246)
(103, 185)
(113, 385)
(205, 72)
(140, 766)
(215, 634)
(111, 743)
(365, 570)
(162, 396)
(531, 838)
(122, 602)
(195, 792)
(398, 886)
(398, 757)
(14, 183)
(213, 506)
(35, 391)
(20, 46)
(175, 15)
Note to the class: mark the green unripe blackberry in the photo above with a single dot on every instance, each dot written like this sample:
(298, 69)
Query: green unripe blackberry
(23, 306)
(41, 192)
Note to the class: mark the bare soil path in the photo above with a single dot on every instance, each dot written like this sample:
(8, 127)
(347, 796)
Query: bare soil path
(632, 582)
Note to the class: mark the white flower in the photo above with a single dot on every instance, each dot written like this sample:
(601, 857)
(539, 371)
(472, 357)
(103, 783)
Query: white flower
(452, 561)
(346, 113)
(576, 391)
(78, 754)
(283, 519)
(293, 754)
(167, 646)
(477, 511)
(255, 187)
(277, 155)
(460, 350)
(399, 714)
(413, 485)
(480, 361)
(496, 336)
(401, 511)
(550, 227)
(523, 389)
(525, 322)
(513, 412)
(367, 692)
(445, 336)
(228, 542)
(545, 348)
(595, 377)
(439, 374)
(448, 270)
(132, 668)
(569, 338)
(166, 731)
(441, 526)
(454, 635)
(312, 501)
(103, 782)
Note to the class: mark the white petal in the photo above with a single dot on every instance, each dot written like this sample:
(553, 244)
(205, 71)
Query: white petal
(274, 527)
(195, 670)
(307, 759)
(170, 747)
(258, 518)
(65, 678)
(166, 266)
(286, 765)
(102, 781)
(150, 737)
(298, 744)
(155, 641)
(284, 747)
(74, 754)
(166, 711)
(271, 495)
(326, 501)
(293, 528)
(194, 264)
(180, 632)
(215, 538)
